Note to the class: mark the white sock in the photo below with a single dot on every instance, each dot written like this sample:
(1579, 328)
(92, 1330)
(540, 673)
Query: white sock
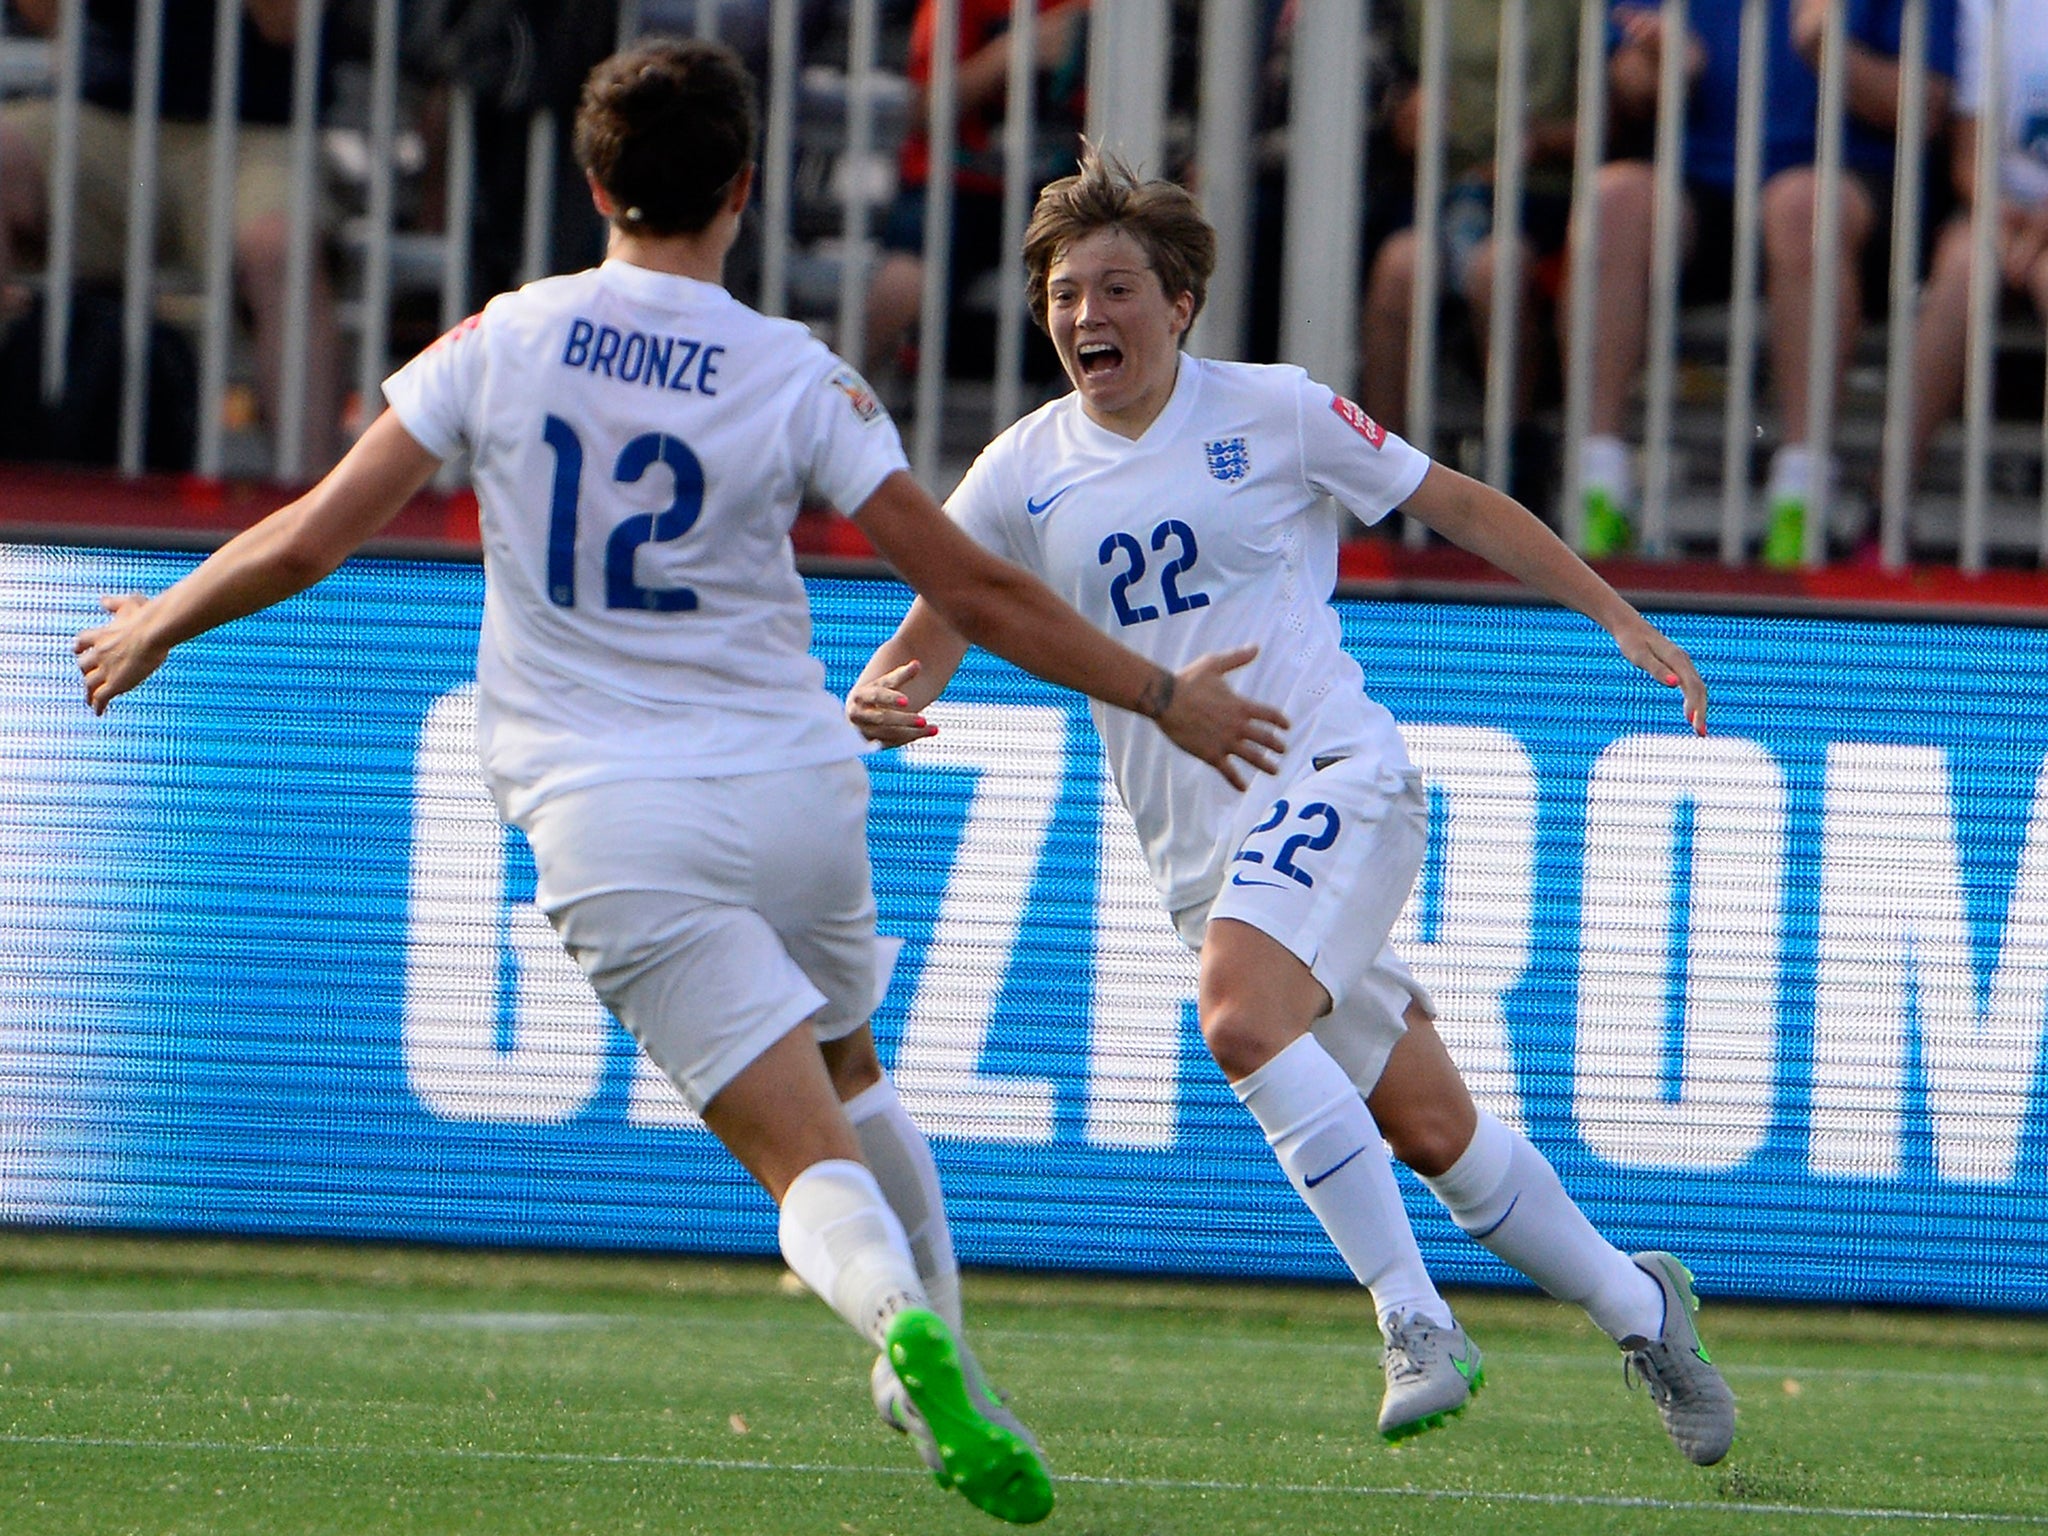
(901, 1160)
(1793, 471)
(843, 1241)
(1331, 1150)
(1507, 1198)
(1604, 466)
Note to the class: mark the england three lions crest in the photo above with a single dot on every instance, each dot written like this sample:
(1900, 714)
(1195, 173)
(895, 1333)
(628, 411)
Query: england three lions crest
(1229, 459)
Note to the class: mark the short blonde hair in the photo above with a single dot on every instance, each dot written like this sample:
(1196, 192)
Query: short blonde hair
(1162, 216)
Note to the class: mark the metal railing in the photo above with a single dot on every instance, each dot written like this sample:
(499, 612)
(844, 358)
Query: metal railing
(1130, 111)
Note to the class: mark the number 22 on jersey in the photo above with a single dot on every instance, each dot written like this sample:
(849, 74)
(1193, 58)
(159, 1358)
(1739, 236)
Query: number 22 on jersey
(681, 514)
(1124, 548)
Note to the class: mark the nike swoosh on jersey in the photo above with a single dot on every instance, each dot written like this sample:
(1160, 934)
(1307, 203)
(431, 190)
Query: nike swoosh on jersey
(1033, 508)
(1239, 879)
(1311, 1183)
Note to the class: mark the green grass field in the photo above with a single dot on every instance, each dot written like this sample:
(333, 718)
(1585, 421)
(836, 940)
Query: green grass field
(215, 1387)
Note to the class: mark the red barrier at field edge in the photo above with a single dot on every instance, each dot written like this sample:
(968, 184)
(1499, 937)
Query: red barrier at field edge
(39, 504)
(45, 505)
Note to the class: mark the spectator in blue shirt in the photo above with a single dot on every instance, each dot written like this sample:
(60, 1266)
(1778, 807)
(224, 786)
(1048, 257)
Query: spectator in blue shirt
(1791, 193)
(2019, 212)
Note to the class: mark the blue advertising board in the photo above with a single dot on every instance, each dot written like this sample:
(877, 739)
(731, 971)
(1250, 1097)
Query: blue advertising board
(1776, 1000)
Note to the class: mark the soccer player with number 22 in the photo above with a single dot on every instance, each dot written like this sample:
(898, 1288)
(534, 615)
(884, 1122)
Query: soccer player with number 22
(1178, 503)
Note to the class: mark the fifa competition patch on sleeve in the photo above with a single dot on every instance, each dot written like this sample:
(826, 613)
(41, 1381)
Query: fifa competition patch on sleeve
(858, 395)
(1358, 421)
(1229, 459)
(456, 332)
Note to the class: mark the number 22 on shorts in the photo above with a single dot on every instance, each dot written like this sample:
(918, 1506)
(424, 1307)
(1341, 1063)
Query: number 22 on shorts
(1311, 829)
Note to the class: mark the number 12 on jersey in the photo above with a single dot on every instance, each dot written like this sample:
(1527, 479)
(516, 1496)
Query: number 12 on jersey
(681, 514)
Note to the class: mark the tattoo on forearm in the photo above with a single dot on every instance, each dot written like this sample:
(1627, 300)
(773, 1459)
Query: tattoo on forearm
(1157, 696)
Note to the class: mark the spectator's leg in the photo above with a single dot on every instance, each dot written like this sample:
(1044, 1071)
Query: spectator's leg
(1938, 340)
(1621, 311)
(895, 299)
(24, 217)
(1385, 323)
(1627, 190)
(1789, 202)
(1479, 295)
(264, 195)
(261, 250)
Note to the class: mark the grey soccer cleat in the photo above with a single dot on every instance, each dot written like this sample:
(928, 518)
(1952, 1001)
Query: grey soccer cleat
(929, 1387)
(1693, 1400)
(901, 1415)
(1432, 1373)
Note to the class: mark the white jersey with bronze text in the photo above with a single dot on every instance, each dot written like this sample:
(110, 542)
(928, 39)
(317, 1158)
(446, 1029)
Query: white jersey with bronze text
(640, 443)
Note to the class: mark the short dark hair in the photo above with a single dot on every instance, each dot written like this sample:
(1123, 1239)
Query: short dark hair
(1161, 216)
(663, 128)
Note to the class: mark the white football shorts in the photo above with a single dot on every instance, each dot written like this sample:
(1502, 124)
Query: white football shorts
(714, 915)
(1325, 870)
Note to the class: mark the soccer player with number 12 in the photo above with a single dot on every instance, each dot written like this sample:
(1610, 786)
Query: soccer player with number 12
(649, 710)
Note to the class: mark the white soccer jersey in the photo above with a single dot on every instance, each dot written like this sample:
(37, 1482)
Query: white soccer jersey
(2023, 161)
(1207, 533)
(640, 443)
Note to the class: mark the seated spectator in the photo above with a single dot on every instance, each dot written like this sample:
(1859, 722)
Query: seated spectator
(1466, 217)
(2021, 240)
(263, 178)
(895, 294)
(1790, 195)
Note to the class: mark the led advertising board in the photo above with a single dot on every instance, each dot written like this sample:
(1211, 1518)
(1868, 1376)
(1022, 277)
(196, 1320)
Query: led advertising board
(1775, 1000)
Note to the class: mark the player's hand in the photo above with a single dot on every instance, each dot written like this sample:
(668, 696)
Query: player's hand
(119, 654)
(1207, 718)
(1654, 651)
(880, 712)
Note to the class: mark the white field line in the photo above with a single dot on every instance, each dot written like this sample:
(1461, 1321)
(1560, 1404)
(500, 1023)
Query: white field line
(227, 1319)
(1150, 1484)
(1594, 1359)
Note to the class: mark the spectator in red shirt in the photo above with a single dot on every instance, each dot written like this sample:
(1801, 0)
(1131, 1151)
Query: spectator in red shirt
(896, 293)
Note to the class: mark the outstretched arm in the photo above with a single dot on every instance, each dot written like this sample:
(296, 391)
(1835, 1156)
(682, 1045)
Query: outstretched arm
(1481, 519)
(284, 554)
(987, 601)
(904, 676)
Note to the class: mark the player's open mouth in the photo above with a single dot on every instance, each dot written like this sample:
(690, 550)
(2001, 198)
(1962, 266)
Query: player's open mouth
(1097, 357)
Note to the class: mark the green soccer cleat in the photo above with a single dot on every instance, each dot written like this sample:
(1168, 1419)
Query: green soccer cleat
(994, 1468)
(1432, 1373)
(1608, 530)
(1785, 539)
(895, 1409)
(1691, 1396)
